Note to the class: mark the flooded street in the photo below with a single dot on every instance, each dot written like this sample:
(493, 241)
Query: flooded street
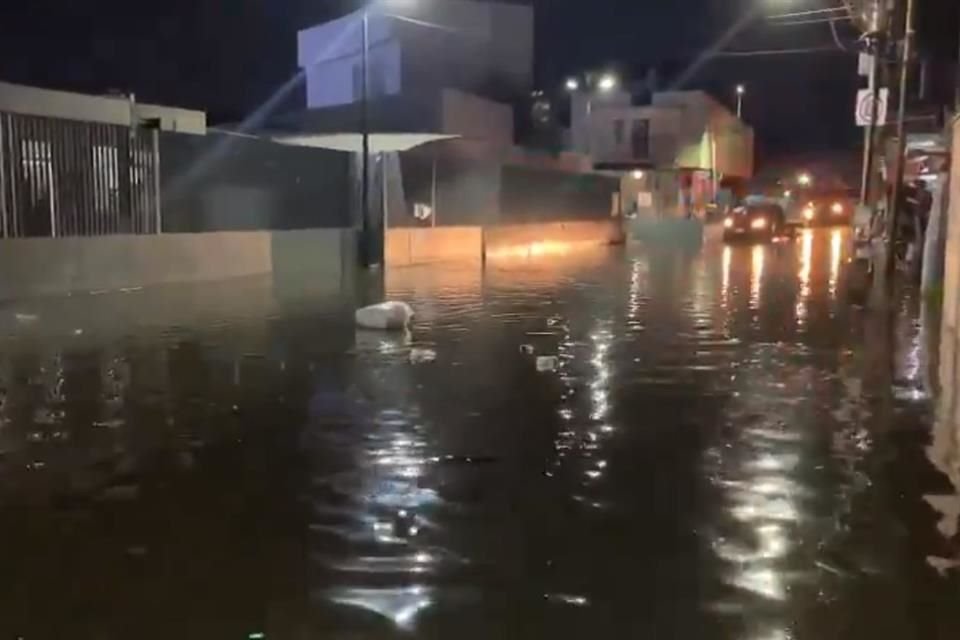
(622, 444)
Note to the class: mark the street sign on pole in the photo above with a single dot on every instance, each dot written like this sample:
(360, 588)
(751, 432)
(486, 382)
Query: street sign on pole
(865, 107)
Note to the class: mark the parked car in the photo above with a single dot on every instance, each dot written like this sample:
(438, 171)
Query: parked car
(754, 221)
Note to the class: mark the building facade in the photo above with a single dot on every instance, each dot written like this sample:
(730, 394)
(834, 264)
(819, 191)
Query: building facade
(419, 48)
(674, 153)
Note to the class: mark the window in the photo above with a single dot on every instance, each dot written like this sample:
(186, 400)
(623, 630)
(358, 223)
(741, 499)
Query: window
(640, 138)
(618, 129)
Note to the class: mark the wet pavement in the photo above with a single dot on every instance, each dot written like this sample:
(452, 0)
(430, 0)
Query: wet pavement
(621, 444)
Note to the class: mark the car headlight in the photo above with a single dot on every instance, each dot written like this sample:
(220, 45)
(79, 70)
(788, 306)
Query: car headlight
(759, 223)
(727, 223)
(808, 213)
(837, 208)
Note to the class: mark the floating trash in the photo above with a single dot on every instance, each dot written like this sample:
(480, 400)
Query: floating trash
(421, 356)
(546, 364)
(388, 316)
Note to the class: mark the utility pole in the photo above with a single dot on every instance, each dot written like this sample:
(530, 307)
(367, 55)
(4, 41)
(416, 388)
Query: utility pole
(366, 231)
(894, 206)
(875, 27)
(870, 135)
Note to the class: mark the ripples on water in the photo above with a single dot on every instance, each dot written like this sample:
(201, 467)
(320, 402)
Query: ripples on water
(709, 454)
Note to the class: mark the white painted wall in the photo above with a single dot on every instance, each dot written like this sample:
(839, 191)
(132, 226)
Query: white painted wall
(684, 129)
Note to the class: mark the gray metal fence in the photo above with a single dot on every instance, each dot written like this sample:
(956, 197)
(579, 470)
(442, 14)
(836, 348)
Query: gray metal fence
(71, 178)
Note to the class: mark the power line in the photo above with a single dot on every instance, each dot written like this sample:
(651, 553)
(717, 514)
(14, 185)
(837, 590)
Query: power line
(795, 23)
(777, 52)
(811, 12)
(836, 36)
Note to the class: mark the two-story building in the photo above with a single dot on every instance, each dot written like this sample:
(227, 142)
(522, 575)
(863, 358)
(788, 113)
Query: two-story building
(674, 154)
(432, 66)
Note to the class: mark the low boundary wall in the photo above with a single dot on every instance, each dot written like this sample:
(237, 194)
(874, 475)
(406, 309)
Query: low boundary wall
(569, 234)
(55, 266)
(410, 246)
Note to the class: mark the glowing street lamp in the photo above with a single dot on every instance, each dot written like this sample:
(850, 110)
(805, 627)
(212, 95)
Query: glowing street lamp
(741, 91)
(805, 179)
(608, 82)
(592, 87)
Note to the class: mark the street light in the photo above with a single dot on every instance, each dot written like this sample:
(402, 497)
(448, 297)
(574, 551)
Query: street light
(365, 230)
(741, 91)
(608, 82)
(380, 6)
(805, 179)
(592, 85)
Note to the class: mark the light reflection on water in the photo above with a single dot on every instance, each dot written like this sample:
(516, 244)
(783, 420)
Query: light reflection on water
(806, 270)
(705, 461)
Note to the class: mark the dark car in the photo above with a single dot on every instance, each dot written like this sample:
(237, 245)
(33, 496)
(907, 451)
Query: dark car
(754, 222)
(828, 209)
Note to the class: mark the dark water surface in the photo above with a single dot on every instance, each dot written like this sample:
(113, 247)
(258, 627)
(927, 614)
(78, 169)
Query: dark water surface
(714, 452)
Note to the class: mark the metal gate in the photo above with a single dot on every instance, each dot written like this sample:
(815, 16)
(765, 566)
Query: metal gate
(71, 178)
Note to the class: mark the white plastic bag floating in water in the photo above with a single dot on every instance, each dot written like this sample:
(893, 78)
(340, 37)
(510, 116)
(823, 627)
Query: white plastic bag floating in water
(392, 316)
(547, 363)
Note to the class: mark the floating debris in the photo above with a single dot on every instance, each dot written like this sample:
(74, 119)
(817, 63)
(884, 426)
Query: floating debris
(546, 364)
(421, 356)
(386, 316)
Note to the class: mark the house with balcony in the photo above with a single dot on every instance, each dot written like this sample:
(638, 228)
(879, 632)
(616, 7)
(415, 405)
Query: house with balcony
(674, 154)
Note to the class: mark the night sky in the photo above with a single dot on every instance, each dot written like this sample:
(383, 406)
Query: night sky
(228, 56)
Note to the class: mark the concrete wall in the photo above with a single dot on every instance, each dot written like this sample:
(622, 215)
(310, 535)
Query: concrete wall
(53, 266)
(944, 451)
(662, 126)
(553, 236)
(950, 329)
(405, 247)
(583, 104)
(685, 129)
(221, 182)
(476, 118)
(102, 109)
(408, 247)
(484, 48)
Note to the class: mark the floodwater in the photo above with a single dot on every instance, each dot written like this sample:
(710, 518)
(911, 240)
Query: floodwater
(621, 444)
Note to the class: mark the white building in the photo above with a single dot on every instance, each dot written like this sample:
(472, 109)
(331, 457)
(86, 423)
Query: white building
(673, 152)
(419, 48)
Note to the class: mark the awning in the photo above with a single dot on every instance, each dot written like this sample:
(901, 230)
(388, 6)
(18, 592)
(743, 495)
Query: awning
(353, 142)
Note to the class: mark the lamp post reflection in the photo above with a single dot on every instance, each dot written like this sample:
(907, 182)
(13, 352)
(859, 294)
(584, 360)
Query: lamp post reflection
(756, 275)
(727, 259)
(806, 269)
(836, 256)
